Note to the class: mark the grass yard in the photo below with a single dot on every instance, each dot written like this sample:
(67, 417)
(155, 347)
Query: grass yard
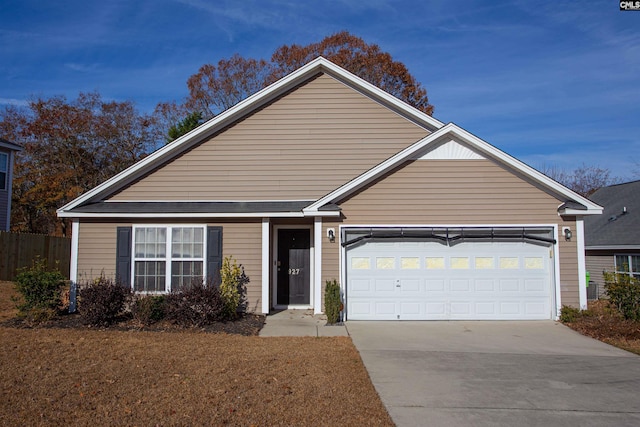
(52, 376)
(603, 323)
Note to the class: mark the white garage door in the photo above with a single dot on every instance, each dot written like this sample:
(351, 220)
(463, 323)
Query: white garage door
(425, 280)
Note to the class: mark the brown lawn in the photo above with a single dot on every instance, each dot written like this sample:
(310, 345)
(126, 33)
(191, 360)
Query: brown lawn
(603, 323)
(53, 376)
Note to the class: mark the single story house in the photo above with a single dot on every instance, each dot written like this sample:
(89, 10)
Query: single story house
(324, 176)
(612, 240)
(8, 152)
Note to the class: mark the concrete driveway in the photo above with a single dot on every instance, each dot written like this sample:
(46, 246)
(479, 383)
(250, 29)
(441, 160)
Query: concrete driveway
(498, 374)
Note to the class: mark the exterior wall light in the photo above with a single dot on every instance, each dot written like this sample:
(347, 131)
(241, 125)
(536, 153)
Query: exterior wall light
(567, 233)
(331, 234)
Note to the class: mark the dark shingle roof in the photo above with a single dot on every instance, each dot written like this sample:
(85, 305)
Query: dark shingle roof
(616, 226)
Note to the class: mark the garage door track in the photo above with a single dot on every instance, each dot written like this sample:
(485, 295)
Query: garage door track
(537, 373)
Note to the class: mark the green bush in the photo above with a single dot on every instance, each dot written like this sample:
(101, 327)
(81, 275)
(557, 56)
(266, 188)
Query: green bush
(332, 301)
(40, 290)
(569, 314)
(232, 285)
(149, 309)
(196, 305)
(623, 291)
(102, 301)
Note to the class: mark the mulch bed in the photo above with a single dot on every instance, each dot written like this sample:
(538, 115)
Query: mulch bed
(247, 325)
(604, 323)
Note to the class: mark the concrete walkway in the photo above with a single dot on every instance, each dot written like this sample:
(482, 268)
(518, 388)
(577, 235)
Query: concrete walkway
(497, 374)
(300, 323)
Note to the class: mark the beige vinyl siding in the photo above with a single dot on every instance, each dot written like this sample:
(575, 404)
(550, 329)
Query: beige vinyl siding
(569, 285)
(301, 146)
(97, 250)
(597, 263)
(242, 240)
(330, 255)
(459, 192)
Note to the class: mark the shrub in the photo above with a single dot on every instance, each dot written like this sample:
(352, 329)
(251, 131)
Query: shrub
(149, 309)
(232, 285)
(569, 314)
(40, 290)
(624, 294)
(102, 301)
(332, 301)
(196, 305)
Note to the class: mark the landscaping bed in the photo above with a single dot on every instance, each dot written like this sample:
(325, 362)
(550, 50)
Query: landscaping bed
(602, 322)
(94, 376)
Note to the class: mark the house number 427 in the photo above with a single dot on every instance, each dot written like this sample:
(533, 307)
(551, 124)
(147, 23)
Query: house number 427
(294, 271)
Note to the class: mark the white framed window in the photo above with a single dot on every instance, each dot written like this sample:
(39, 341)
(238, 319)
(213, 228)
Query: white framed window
(4, 170)
(167, 257)
(628, 264)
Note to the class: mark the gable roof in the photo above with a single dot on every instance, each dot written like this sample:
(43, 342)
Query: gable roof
(619, 227)
(9, 145)
(574, 204)
(244, 108)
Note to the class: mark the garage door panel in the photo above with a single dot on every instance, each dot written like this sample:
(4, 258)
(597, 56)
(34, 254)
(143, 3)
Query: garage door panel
(385, 286)
(533, 286)
(411, 309)
(509, 285)
(459, 285)
(435, 285)
(361, 286)
(385, 308)
(411, 287)
(486, 308)
(486, 285)
(428, 280)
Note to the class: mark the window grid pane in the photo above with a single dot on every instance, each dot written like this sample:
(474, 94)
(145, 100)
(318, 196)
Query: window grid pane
(183, 273)
(635, 263)
(149, 276)
(622, 263)
(186, 257)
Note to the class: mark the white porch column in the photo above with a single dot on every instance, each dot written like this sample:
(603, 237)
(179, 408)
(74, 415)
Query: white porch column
(265, 265)
(317, 265)
(582, 268)
(75, 237)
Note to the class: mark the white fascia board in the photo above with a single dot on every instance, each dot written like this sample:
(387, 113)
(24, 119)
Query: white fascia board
(197, 215)
(580, 212)
(613, 248)
(483, 146)
(244, 107)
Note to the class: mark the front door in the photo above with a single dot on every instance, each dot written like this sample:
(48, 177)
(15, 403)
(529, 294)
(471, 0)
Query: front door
(293, 266)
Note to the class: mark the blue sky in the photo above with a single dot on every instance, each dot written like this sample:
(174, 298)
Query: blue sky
(554, 83)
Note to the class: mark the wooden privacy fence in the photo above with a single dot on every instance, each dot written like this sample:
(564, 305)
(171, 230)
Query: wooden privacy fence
(20, 250)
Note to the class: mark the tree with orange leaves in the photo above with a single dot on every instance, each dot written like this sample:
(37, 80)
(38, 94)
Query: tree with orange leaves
(214, 89)
(69, 148)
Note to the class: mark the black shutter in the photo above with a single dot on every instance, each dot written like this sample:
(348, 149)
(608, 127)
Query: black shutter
(214, 254)
(123, 256)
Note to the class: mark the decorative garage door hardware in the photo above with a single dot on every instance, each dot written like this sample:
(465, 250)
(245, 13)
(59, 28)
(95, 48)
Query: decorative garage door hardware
(452, 236)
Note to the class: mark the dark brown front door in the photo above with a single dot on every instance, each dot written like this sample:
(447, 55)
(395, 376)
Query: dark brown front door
(293, 265)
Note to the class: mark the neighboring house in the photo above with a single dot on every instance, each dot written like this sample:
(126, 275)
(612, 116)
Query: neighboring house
(7, 156)
(613, 239)
(323, 176)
